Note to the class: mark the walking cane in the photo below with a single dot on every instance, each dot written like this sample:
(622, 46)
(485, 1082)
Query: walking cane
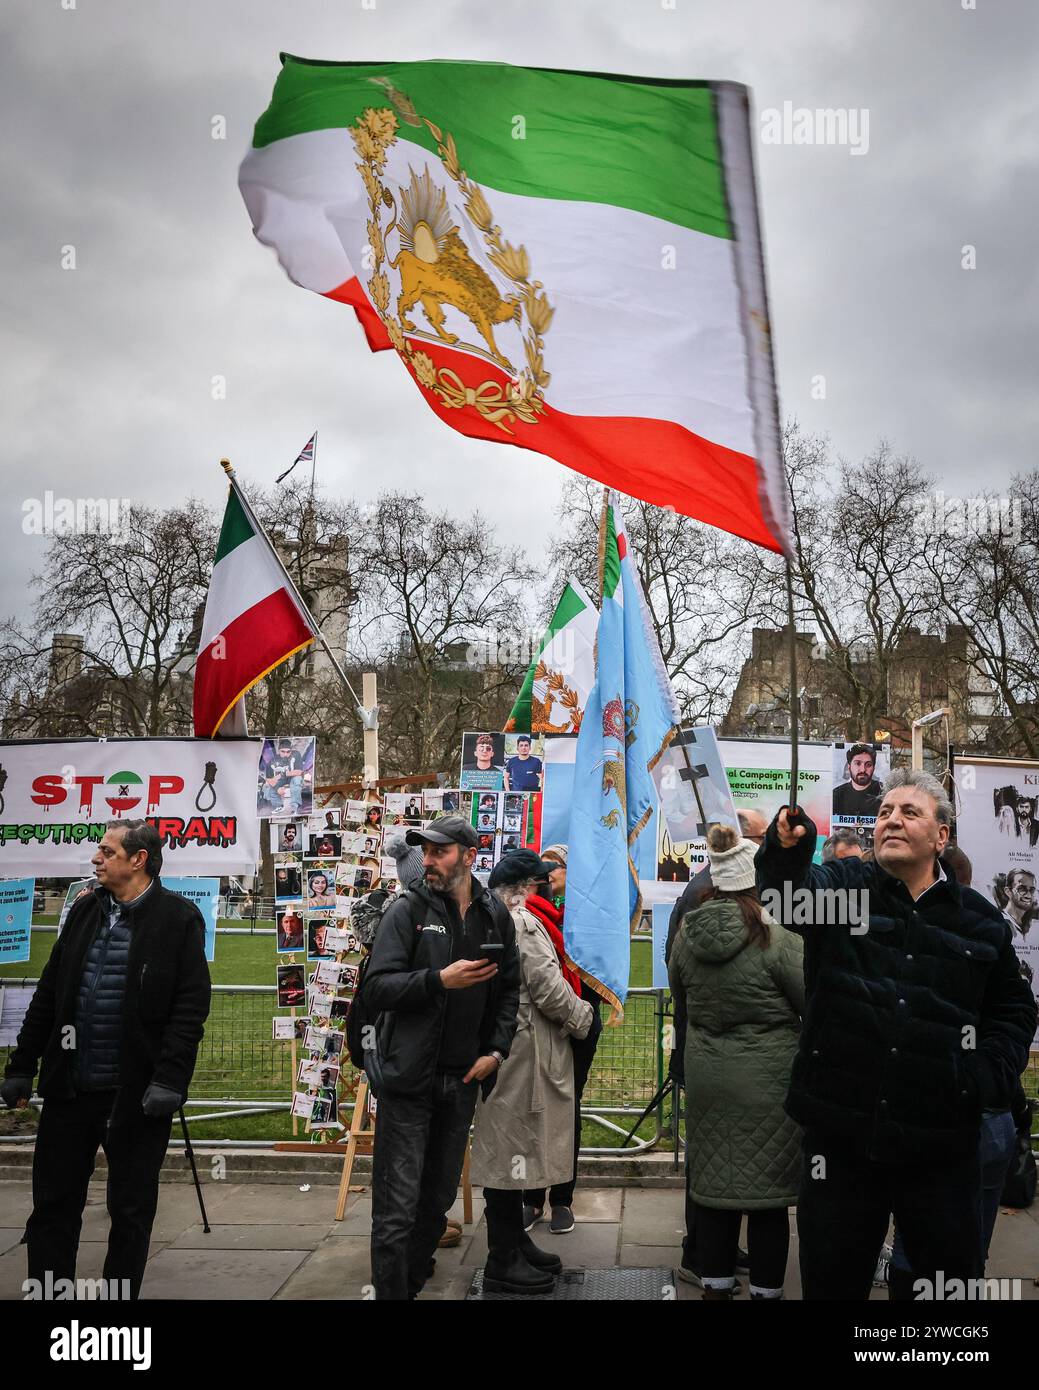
(194, 1171)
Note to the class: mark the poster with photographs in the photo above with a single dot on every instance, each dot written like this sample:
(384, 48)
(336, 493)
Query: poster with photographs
(290, 928)
(291, 836)
(758, 773)
(503, 821)
(692, 785)
(292, 987)
(318, 947)
(483, 762)
(440, 803)
(319, 886)
(76, 890)
(324, 844)
(511, 762)
(859, 773)
(288, 879)
(997, 827)
(285, 779)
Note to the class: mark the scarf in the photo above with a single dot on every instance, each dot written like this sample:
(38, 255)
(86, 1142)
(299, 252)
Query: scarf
(551, 918)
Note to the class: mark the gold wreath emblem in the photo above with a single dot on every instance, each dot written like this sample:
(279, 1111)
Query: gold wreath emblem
(436, 268)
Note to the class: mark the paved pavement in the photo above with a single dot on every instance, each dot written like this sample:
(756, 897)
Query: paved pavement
(276, 1241)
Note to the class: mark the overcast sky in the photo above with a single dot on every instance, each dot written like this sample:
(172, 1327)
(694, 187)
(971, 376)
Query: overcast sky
(107, 369)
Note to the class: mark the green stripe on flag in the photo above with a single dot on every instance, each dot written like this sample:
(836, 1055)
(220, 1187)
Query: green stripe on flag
(611, 576)
(236, 528)
(569, 606)
(644, 144)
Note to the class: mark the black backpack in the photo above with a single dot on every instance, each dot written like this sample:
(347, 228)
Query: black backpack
(361, 1020)
(1019, 1187)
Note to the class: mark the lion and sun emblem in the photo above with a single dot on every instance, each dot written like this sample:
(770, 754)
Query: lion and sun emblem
(434, 268)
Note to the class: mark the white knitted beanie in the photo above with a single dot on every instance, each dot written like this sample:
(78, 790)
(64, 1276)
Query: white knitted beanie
(732, 862)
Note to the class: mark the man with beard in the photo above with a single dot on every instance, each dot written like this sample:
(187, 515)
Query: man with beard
(1020, 908)
(860, 795)
(446, 1017)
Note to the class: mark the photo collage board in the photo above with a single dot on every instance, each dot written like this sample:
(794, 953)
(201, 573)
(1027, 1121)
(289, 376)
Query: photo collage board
(325, 866)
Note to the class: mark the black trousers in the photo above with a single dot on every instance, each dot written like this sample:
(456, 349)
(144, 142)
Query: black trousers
(419, 1151)
(504, 1212)
(845, 1205)
(768, 1243)
(561, 1194)
(67, 1141)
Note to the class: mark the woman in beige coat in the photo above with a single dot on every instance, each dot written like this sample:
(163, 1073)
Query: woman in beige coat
(524, 1130)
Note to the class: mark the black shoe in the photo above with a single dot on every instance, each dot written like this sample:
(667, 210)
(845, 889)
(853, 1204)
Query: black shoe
(540, 1259)
(562, 1222)
(511, 1273)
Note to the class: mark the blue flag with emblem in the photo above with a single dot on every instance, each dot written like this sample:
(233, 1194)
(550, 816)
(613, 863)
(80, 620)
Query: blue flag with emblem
(630, 719)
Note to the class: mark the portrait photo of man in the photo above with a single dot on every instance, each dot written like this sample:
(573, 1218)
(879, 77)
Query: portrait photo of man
(859, 794)
(523, 773)
(483, 756)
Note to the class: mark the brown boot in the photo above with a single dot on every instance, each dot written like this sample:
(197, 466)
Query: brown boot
(452, 1236)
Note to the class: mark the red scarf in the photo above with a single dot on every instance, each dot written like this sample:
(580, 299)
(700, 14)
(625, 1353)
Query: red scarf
(551, 918)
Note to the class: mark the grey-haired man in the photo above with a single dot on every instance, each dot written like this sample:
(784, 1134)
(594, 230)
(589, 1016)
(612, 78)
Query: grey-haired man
(114, 1026)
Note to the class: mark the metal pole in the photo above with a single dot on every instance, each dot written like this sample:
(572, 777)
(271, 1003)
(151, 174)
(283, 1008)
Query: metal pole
(795, 702)
(225, 464)
(194, 1171)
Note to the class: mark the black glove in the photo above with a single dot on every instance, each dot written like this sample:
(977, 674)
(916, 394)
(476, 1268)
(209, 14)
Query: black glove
(15, 1088)
(160, 1100)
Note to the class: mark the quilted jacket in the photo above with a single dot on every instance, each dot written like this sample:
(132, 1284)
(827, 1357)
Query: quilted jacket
(885, 1066)
(743, 1004)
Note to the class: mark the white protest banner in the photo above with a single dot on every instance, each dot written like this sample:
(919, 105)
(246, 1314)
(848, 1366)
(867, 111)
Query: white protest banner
(200, 795)
(997, 827)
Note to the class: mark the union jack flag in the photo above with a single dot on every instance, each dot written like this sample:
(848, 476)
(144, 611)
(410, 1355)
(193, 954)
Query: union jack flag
(306, 456)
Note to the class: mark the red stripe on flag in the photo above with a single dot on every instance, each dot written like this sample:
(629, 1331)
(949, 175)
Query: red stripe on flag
(350, 292)
(254, 643)
(655, 460)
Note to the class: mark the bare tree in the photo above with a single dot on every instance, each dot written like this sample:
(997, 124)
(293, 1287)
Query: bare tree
(131, 594)
(441, 605)
(982, 557)
(699, 583)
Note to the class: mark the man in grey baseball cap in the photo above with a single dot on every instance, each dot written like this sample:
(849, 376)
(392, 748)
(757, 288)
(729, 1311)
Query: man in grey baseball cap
(448, 830)
(444, 981)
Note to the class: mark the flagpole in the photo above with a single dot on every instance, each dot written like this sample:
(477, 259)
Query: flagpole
(225, 464)
(795, 699)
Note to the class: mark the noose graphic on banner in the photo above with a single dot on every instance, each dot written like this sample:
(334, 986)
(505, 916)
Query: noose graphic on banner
(210, 782)
(3, 784)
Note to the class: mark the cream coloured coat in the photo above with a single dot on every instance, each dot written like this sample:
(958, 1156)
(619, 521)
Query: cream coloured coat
(524, 1135)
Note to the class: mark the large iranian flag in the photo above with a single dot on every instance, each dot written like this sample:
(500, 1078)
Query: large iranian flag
(569, 262)
(252, 622)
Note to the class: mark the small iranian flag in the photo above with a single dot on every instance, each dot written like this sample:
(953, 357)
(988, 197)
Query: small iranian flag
(253, 621)
(555, 689)
(568, 262)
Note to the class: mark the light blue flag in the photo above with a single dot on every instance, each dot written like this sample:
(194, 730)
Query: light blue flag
(630, 718)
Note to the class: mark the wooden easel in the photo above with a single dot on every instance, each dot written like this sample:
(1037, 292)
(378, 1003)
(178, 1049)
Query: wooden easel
(366, 1137)
(358, 1137)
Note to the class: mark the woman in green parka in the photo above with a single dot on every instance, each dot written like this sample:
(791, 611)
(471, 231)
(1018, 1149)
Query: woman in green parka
(742, 976)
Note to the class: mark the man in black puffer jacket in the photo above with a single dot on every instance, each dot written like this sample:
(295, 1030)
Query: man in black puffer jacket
(917, 1020)
(447, 1017)
(117, 1019)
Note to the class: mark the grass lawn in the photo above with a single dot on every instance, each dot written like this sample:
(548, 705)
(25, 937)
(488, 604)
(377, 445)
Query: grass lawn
(239, 1058)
